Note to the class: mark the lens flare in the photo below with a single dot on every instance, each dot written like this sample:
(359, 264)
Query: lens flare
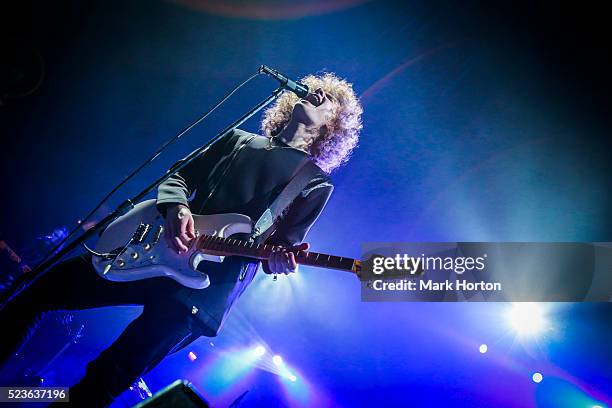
(527, 319)
(259, 351)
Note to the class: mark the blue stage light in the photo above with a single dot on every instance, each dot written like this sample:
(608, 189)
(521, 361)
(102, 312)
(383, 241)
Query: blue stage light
(537, 378)
(527, 319)
(259, 351)
(277, 360)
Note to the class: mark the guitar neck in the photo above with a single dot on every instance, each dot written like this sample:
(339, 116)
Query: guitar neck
(235, 247)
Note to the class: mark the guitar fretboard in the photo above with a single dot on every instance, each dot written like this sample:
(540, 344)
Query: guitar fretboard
(235, 247)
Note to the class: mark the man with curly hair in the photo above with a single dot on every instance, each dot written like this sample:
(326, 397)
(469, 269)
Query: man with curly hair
(241, 173)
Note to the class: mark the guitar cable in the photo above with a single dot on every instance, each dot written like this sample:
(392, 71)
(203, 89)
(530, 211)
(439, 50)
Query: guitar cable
(101, 255)
(143, 165)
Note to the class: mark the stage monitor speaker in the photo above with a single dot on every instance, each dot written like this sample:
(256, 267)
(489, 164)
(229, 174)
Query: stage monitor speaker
(178, 394)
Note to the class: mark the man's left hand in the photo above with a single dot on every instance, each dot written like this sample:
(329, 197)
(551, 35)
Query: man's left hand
(284, 261)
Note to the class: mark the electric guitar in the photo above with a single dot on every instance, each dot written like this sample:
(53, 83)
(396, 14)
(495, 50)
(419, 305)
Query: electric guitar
(133, 248)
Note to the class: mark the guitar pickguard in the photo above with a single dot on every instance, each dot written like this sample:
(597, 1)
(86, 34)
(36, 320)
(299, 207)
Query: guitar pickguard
(148, 255)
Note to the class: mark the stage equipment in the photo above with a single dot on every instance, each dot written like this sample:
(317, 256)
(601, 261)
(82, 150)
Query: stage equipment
(178, 394)
(297, 88)
(141, 389)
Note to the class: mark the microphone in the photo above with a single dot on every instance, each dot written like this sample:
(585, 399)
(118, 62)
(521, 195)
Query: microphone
(300, 90)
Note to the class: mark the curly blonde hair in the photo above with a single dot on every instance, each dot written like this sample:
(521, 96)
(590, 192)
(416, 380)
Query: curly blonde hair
(337, 139)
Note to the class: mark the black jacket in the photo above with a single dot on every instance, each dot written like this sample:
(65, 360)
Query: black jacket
(240, 177)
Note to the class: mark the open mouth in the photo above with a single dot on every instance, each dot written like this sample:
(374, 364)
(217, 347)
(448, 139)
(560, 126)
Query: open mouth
(313, 99)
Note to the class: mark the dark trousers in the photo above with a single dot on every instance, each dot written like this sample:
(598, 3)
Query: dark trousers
(74, 285)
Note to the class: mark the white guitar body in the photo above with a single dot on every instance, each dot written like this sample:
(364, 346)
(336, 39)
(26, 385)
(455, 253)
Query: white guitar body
(148, 254)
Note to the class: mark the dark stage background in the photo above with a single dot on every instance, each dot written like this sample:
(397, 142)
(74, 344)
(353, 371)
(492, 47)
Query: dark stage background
(483, 122)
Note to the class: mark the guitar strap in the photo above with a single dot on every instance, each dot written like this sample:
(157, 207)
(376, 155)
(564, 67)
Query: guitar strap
(266, 224)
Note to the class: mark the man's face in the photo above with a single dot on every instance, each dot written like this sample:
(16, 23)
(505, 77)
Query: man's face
(315, 109)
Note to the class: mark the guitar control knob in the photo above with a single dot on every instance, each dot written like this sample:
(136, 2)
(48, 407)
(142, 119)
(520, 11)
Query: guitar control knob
(134, 255)
(147, 247)
(120, 263)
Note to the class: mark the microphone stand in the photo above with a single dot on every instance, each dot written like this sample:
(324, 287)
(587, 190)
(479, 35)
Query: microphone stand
(128, 204)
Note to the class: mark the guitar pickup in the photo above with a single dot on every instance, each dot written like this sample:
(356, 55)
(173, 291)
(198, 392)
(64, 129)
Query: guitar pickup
(141, 233)
(157, 235)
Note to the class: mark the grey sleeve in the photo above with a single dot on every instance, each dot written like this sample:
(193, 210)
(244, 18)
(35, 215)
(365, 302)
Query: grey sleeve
(302, 213)
(180, 186)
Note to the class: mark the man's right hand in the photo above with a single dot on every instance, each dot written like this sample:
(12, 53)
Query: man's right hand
(179, 228)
